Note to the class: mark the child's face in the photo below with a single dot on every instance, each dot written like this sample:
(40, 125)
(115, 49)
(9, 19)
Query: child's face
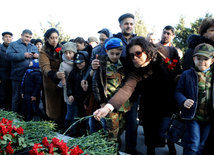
(69, 55)
(202, 62)
(81, 65)
(39, 46)
(114, 54)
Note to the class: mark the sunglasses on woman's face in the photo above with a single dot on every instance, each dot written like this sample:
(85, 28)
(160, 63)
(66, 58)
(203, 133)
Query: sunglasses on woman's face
(137, 54)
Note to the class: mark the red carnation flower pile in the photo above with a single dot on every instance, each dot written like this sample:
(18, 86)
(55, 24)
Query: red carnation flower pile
(55, 147)
(9, 136)
(172, 64)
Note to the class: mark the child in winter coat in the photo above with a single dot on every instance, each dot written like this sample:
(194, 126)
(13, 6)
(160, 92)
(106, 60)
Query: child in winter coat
(76, 94)
(108, 77)
(31, 87)
(68, 49)
(195, 94)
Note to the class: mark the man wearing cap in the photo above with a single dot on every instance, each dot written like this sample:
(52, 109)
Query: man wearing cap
(127, 23)
(93, 41)
(104, 34)
(5, 68)
(20, 53)
(194, 93)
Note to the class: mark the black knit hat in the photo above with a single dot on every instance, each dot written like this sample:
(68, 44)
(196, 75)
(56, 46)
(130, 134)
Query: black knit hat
(126, 15)
(37, 41)
(49, 32)
(4, 33)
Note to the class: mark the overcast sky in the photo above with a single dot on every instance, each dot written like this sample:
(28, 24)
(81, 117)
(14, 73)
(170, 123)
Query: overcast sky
(86, 17)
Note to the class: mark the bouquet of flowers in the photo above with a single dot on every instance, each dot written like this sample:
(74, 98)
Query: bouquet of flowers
(172, 64)
(11, 137)
(56, 147)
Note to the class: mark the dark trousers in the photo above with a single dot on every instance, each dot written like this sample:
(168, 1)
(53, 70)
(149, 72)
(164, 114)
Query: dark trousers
(195, 137)
(131, 129)
(16, 96)
(31, 108)
(73, 112)
(208, 148)
(5, 94)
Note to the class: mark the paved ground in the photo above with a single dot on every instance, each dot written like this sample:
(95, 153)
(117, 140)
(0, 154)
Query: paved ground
(142, 148)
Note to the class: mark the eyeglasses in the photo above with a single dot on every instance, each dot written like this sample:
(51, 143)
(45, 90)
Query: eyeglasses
(137, 54)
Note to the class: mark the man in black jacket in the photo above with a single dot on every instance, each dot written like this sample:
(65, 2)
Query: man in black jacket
(5, 68)
(127, 25)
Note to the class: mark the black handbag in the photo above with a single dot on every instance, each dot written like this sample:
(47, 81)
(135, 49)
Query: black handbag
(176, 129)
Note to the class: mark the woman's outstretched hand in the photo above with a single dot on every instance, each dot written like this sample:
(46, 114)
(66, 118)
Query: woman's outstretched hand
(100, 113)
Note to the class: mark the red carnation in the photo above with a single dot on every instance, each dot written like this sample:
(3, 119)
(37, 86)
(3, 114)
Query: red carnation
(45, 142)
(58, 49)
(175, 61)
(4, 120)
(50, 149)
(76, 151)
(9, 149)
(167, 60)
(20, 130)
(3, 130)
(33, 151)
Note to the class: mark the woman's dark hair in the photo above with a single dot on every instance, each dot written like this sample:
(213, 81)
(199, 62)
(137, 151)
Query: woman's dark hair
(205, 24)
(145, 46)
(150, 50)
(49, 32)
(79, 40)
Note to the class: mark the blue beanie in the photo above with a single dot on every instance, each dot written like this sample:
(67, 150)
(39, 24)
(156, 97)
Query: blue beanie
(35, 63)
(113, 43)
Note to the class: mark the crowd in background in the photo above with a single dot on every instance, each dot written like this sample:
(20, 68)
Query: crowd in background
(122, 76)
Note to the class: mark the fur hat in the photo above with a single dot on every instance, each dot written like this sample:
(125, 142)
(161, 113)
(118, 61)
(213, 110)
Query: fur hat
(69, 46)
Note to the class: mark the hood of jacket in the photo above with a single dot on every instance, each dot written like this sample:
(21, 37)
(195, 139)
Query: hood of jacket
(194, 40)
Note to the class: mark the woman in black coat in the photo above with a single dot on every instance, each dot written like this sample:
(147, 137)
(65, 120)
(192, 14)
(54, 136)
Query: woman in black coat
(157, 74)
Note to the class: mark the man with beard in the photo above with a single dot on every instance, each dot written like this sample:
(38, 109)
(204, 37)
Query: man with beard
(127, 25)
(206, 35)
(167, 35)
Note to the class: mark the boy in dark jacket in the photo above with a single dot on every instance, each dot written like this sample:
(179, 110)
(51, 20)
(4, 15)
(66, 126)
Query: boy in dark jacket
(31, 91)
(76, 94)
(194, 94)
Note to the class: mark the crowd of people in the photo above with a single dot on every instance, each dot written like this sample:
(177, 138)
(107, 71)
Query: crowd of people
(122, 77)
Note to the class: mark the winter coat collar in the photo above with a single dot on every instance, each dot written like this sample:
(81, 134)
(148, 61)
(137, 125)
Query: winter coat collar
(70, 62)
(194, 40)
